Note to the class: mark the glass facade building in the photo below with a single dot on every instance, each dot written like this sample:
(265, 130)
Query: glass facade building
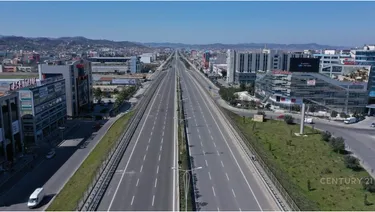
(43, 109)
(284, 89)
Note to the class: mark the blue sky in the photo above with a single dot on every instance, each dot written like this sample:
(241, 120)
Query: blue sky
(335, 23)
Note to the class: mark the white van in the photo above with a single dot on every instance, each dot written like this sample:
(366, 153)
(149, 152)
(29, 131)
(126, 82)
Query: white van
(35, 198)
(350, 120)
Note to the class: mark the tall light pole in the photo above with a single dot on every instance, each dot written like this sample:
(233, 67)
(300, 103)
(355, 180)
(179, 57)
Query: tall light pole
(186, 177)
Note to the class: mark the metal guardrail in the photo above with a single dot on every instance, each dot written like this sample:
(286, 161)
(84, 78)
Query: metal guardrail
(92, 197)
(251, 151)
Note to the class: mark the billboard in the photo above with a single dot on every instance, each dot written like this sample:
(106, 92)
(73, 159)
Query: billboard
(304, 65)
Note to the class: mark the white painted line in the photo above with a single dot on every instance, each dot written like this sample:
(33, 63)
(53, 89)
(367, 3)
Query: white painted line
(162, 139)
(163, 133)
(141, 169)
(214, 144)
(197, 130)
(213, 191)
(218, 153)
(144, 157)
(222, 164)
(201, 144)
(157, 170)
(150, 134)
(161, 147)
(199, 136)
(156, 182)
(227, 176)
(239, 209)
(234, 194)
(153, 200)
(153, 127)
(149, 140)
(136, 185)
(159, 157)
(212, 137)
(209, 175)
(206, 163)
(147, 148)
(132, 201)
(209, 131)
(218, 209)
(163, 127)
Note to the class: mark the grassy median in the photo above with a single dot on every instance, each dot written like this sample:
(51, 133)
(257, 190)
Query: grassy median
(71, 194)
(183, 158)
(307, 166)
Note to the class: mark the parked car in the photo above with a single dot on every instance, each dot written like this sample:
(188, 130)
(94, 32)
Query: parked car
(372, 125)
(51, 154)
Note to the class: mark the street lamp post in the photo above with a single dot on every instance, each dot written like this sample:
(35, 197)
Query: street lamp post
(186, 177)
(62, 133)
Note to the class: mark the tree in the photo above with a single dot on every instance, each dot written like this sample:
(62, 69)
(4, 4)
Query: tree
(333, 114)
(343, 115)
(288, 119)
(368, 184)
(224, 73)
(326, 136)
(115, 91)
(338, 144)
(242, 87)
(268, 106)
(252, 103)
(98, 93)
(352, 163)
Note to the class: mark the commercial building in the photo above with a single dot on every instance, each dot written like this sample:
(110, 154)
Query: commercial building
(285, 89)
(109, 84)
(231, 65)
(115, 65)
(147, 57)
(206, 59)
(78, 83)
(42, 108)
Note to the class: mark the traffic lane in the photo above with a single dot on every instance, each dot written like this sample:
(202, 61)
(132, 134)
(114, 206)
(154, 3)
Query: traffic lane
(51, 174)
(123, 199)
(150, 180)
(247, 182)
(164, 193)
(119, 175)
(224, 166)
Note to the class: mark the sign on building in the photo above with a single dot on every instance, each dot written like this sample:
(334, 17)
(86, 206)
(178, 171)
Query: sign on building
(22, 83)
(311, 82)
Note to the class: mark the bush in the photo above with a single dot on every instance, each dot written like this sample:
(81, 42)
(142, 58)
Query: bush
(334, 114)
(326, 136)
(338, 144)
(343, 115)
(368, 184)
(288, 119)
(261, 113)
(352, 163)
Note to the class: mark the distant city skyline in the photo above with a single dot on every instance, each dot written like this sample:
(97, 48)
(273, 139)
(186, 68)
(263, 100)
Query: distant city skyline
(195, 22)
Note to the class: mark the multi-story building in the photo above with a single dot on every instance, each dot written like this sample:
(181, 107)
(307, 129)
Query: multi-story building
(206, 59)
(43, 108)
(11, 136)
(231, 65)
(283, 89)
(115, 65)
(78, 83)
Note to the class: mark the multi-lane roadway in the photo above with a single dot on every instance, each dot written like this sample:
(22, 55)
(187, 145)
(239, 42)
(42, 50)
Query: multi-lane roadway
(226, 180)
(144, 179)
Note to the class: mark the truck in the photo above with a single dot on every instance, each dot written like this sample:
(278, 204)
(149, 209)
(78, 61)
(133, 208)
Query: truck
(350, 120)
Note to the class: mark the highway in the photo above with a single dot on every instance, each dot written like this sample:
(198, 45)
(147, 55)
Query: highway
(227, 180)
(144, 179)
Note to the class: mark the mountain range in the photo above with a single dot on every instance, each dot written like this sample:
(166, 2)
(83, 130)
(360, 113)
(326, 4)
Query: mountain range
(243, 46)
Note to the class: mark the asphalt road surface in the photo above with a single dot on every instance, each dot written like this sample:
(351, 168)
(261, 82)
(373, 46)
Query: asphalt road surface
(51, 174)
(226, 181)
(143, 179)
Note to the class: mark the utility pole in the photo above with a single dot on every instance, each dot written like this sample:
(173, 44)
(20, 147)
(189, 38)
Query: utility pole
(302, 119)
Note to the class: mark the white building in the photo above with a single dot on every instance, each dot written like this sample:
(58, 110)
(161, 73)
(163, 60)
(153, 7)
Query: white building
(231, 65)
(78, 83)
(147, 57)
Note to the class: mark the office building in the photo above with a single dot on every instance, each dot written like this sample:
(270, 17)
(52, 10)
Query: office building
(43, 109)
(231, 66)
(206, 59)
(284, 89)
(115, 65)
(78, 83)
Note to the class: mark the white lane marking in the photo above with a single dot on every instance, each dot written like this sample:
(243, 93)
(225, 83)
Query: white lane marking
(222, 164)
(162, 139)
(234, 194)
(136, 185)
(161, 147)
(213, 191)
(156, 182)
(212, 137)
(201, 144)
(149, 140)
(150, 133)
(214, 144)
(209, 175)
(227, 176)
(222, 135)
(157, 170)
(218, 209)
(218, 153)
(206, 163)
(239, 209)
(141, 169)
(153, 127)
(164, 127)
(197, 130)
(159, 157)
(199, 136)
(153, 200)
(163, 133)
(147, 148)
(132, 201)
(144, 157)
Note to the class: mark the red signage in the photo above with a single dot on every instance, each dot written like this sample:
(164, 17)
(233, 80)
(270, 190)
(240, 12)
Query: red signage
(22, 83)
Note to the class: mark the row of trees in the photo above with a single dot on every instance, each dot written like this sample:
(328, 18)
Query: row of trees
(124, 95)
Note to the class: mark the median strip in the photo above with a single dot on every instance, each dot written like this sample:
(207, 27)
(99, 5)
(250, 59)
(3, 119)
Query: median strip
(183, 156)
(74, 189)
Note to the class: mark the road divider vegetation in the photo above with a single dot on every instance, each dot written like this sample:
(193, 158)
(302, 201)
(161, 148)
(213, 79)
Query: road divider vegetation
(315, 170)
(74, 189)
(183, 155)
